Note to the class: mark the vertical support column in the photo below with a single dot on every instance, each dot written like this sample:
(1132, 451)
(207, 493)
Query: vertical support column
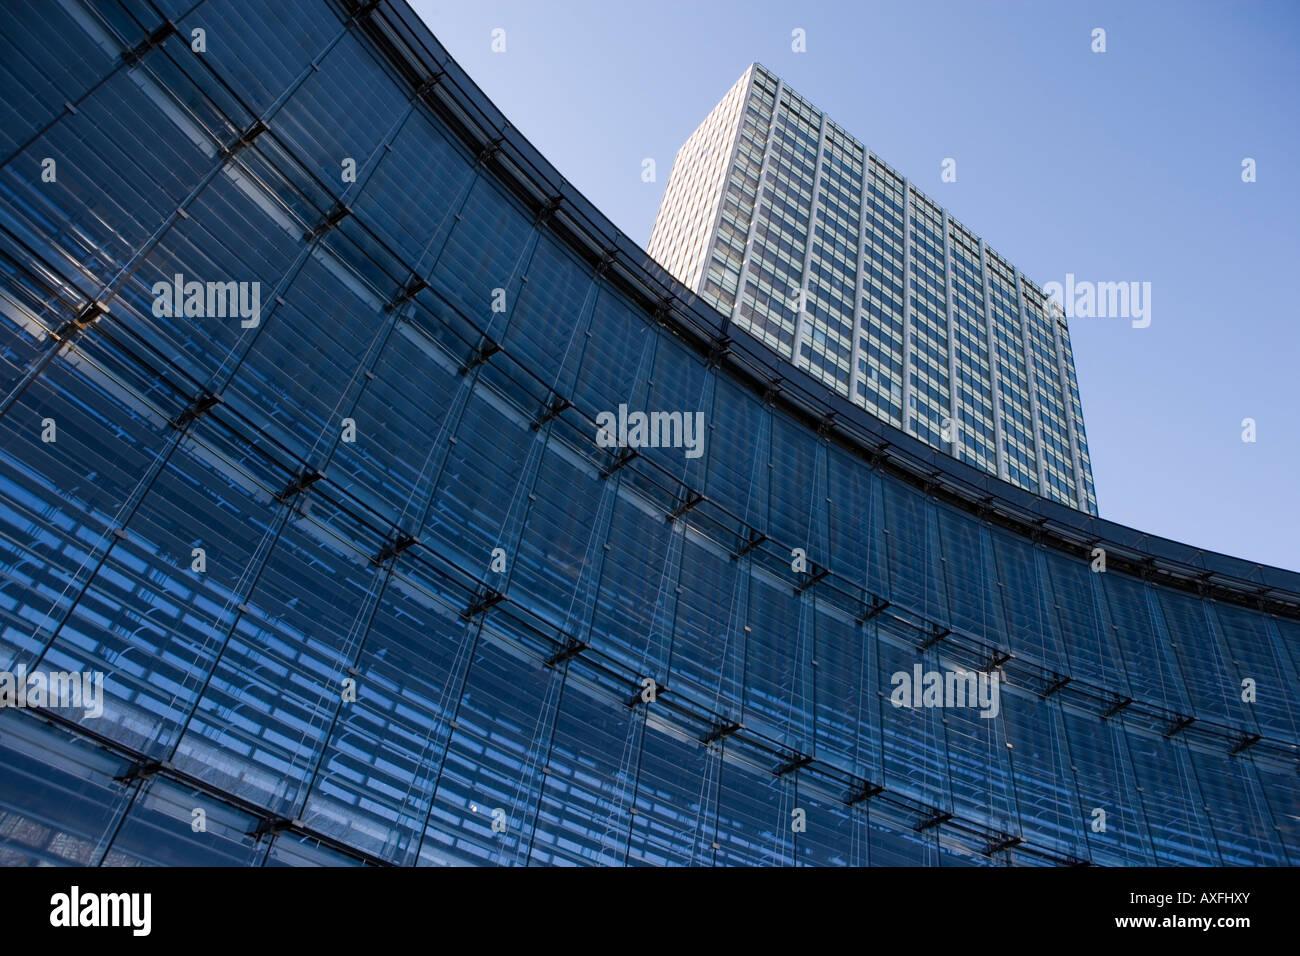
(954, 428)
(763, 175)
(859, 278)
(1030, 380)
(995, 382)
(1080, 486)
(801, 319)
(907, 309)
(712, 237)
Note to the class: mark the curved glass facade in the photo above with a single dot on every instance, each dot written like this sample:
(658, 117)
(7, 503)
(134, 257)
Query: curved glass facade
(366, 584)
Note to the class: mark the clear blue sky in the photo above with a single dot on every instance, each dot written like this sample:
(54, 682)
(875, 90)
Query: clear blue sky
(1115, 167)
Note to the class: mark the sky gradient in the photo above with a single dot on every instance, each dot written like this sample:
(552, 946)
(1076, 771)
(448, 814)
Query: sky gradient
(1115, 166)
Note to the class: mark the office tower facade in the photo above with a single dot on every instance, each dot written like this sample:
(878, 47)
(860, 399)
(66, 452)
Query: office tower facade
(358, 576)
(785, 222)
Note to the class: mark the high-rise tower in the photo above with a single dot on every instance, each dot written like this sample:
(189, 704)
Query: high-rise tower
(784, 222)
